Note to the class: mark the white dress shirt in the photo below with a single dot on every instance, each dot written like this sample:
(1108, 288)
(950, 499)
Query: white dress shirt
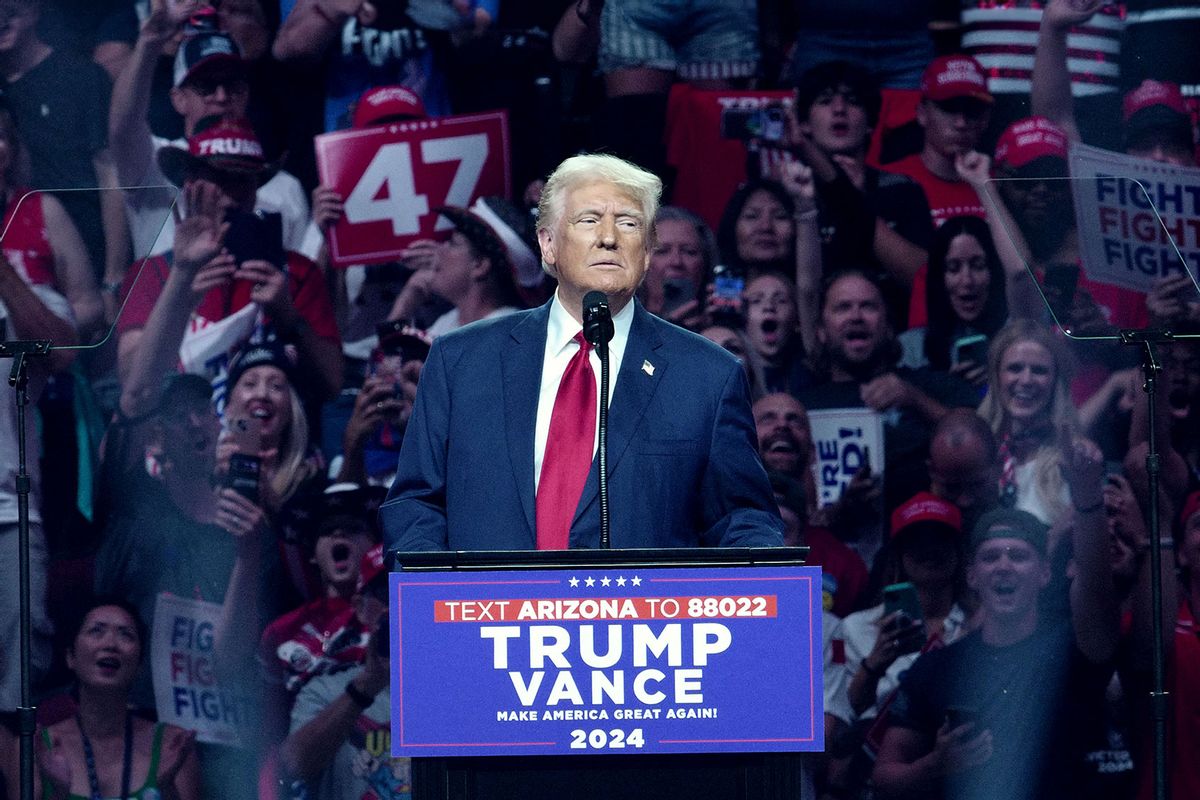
(560, 349)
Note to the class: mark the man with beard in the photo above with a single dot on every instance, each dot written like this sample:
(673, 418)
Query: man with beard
(786, 446)
(859, 353)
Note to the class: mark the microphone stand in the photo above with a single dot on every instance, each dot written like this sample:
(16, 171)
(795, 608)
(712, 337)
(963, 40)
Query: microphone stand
(1145, 340)
(605, 529)
(18, 378)
(598, 329)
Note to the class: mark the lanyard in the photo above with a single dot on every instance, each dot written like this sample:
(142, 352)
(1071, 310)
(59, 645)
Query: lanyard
(90, 758)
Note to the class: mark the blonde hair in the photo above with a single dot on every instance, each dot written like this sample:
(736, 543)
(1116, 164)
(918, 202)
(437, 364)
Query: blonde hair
(646, 188)
(1063, 420)
(293, 465)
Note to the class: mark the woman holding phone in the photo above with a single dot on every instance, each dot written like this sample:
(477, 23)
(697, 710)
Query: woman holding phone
(966, 302)
(681, 264)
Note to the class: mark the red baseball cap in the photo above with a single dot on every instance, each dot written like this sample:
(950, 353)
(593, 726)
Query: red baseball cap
(225, 145)
(1152, 94)
(1157, 107)
(951, 77)
(383, 103)
(1029, 139)
(371, 566)
(926, 507)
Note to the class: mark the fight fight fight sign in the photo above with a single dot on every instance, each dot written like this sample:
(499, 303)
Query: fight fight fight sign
(610, 659)
(392, 177)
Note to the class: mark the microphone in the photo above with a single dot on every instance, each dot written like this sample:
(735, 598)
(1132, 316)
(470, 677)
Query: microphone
(598, 329)
(597, 319)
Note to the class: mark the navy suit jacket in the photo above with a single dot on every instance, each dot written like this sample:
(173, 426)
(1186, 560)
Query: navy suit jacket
(683, 466)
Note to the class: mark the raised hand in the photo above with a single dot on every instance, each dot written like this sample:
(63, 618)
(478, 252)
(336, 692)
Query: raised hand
(1061, 14)
(1083, 470)
(797, 180)
(269, 290)
(327, 208)
(973, 167)
(198, 236)
(167, 18)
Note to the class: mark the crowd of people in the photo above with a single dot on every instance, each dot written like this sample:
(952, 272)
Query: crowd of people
(898, 237)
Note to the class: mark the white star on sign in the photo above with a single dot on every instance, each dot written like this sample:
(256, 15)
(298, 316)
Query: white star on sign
(605, 581)
(636, 581)
(574, 582)
(621, 581)
(590, 582)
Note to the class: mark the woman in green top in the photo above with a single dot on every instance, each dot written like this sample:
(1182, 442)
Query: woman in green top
(105, 750)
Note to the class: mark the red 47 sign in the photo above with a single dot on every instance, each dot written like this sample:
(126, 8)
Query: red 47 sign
(392, 177)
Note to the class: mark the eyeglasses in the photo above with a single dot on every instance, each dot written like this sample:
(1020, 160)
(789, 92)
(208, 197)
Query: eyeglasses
(207, 87)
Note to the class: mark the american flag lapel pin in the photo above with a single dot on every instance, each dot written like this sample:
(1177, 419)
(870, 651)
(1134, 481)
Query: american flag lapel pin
(648, 368)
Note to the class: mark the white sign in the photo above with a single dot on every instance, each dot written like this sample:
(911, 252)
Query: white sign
(845, 439)
(1132, 214)
(186, 690)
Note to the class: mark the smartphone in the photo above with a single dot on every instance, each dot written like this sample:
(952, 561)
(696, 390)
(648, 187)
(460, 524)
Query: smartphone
(243, 475)
(255, 237)
(768, 123)
(676, 292)
(246, 434)
(902, 597)
(972, 348)
(726, 302)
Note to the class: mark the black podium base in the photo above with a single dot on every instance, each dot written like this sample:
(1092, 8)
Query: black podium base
(732, 776)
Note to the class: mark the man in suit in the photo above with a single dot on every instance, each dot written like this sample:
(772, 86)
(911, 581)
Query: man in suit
(499, 452)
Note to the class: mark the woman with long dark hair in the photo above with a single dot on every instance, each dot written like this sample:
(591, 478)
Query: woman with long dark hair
(965, 296)
(757, 232)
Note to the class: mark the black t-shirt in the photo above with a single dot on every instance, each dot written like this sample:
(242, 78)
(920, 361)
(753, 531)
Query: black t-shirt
(1040, 698)
(847, 225)
(896, 199)
(905, 432)
(61, 109)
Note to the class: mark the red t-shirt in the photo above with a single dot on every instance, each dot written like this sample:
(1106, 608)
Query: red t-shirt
(319, 637)
(305, 283)
(26, 242)
(946, 199)
(1183, 727)
(843, 573)
(708, 167)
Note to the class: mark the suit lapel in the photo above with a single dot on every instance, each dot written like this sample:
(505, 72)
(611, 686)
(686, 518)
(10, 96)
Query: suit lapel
(522, 370)
(635, 387)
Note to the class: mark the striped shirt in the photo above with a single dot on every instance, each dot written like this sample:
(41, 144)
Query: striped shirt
(1003, 37)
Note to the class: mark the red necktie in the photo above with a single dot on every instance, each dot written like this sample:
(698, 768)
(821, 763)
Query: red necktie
(568, 456)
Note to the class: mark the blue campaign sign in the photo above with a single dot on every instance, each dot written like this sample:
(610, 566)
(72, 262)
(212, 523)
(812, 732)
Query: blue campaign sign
(612, 659)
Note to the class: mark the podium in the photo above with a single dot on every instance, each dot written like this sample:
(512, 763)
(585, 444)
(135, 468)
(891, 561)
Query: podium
(514, 674)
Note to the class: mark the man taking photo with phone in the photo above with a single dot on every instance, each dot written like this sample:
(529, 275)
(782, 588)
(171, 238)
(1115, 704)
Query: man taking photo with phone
(202, 300)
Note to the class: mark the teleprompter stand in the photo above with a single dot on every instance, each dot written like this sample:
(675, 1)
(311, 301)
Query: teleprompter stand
(20, 352)
(723, 776)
